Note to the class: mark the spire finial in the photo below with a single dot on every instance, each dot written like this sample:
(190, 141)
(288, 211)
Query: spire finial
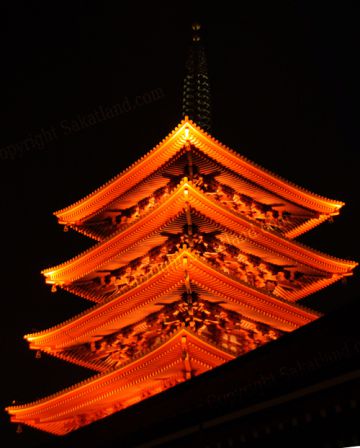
(196, 93)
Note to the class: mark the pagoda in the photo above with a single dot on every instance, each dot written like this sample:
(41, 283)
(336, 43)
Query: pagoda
(194, 264)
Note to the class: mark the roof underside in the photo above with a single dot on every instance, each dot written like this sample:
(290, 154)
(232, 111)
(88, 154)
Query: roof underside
(225, 186)
(205, 314)
(243, 258)
(177, 359)
(188, 197)
(143, 299)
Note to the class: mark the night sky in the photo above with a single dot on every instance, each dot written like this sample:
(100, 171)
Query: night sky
(283, 91)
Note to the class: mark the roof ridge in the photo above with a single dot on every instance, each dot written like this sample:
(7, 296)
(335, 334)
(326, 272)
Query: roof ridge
(120, 231)
(261, 168)
(271, 232)
(163, 266)
(130, 167)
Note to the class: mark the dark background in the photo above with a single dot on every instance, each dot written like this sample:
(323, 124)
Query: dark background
(284, 85)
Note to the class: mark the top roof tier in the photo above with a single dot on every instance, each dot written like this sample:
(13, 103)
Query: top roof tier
(242, 185)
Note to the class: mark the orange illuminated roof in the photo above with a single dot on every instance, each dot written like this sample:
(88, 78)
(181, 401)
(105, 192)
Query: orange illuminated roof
(183, 356)
(209, 175)
(143, 299)
(169, 147)
(95, 257)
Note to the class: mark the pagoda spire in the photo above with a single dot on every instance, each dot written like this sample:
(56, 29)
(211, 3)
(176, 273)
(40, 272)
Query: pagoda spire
(196, 91)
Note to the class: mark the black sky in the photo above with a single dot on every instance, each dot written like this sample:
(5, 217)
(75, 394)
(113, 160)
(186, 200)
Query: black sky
(284, 83)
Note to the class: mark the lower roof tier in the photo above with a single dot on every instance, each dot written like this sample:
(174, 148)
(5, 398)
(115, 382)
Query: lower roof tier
(206, 314)
(186, 270)
(179, 358)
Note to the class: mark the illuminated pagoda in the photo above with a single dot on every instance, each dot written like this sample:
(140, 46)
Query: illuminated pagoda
(194, 263)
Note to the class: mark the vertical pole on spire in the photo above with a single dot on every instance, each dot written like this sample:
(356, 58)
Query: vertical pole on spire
(196, 90)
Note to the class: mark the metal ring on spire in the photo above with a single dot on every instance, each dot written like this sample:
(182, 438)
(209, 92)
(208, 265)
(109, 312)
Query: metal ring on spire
(196, 91)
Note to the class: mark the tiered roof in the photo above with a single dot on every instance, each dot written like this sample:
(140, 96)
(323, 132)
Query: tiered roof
(194, 265)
